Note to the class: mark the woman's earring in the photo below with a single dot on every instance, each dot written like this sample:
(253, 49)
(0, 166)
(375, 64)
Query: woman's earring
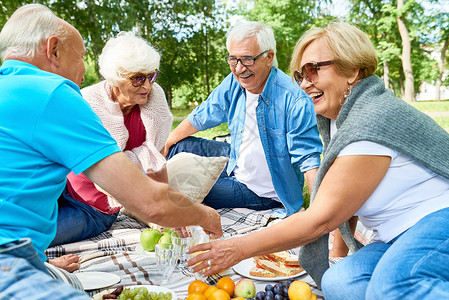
(345, 95)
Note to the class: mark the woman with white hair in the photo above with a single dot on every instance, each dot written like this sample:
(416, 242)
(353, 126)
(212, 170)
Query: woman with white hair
(134, 110)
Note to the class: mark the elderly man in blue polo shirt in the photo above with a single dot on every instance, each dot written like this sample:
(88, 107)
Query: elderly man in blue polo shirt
(274, 137)
(46, 130)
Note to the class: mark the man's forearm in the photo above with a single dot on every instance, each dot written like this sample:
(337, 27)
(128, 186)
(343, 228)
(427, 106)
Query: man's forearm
(149, 200)
(309, 177)
(183, 130)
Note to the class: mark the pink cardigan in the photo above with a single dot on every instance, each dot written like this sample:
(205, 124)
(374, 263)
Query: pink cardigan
(156, 118)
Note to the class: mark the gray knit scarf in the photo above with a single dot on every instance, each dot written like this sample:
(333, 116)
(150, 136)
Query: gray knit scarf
(372, 113)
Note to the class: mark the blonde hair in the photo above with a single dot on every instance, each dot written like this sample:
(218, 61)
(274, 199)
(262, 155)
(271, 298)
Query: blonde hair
(350, 46)
(124, 54)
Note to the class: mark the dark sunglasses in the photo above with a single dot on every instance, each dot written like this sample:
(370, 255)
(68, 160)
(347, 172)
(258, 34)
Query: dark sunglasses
(138, 80)
(309, 71)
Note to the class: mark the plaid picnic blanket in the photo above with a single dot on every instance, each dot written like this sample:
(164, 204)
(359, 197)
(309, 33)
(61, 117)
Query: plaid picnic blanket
(124, 235)
(114, 252)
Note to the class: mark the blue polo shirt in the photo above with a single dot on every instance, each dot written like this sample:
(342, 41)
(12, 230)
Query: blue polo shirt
(287, 127)
(46, 130)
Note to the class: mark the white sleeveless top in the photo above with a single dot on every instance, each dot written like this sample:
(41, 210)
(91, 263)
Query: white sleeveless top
(407, 193)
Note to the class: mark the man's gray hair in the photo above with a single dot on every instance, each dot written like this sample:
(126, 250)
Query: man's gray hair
(127, 54)
(263, 33)
(26, 30)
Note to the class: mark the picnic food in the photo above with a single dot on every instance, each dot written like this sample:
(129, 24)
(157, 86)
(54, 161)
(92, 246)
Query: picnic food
(138, 293)
(226, 284)
(245, 288)
(219, 295)
(196, 296)
(278, 263)
(197, 286)
(149, 238)
(300, 290)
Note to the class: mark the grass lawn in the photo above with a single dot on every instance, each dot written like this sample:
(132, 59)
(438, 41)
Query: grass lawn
(432, 105)
(425, 106)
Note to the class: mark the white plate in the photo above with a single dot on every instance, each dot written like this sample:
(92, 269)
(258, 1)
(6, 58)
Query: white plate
(243, 267)
(97, 280)
(141, 251)
(150, 288)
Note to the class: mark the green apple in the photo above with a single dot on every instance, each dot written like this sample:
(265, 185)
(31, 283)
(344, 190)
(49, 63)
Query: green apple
(149, 238)
(165, 238)
(169, 230)
(245, 288)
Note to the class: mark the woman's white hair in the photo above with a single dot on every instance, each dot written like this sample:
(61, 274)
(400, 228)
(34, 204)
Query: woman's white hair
(127, 54)
(263, 33)
(26, 30)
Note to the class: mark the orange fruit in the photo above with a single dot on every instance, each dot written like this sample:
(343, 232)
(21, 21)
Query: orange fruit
(300, 290)
(196, 296)
(219, 295)
(210, 290)
(226, 284)
(238, 298)
(197, 286)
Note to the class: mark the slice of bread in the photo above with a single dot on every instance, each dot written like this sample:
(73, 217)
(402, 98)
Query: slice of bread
(278, 268)
(285, 257)
(259, 272)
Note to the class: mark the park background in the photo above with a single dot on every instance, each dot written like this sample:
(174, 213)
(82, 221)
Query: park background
(411, 38)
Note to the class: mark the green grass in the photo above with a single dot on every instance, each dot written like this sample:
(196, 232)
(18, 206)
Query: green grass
(209, 133)
(443, 122)
(432, 105)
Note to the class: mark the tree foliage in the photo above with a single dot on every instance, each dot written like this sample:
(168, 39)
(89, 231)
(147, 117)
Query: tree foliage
(289, 20)
(190, 35)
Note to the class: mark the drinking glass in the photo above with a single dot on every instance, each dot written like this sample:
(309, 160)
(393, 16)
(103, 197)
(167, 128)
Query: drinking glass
(198, 237)
(184, 241)
(166, 259)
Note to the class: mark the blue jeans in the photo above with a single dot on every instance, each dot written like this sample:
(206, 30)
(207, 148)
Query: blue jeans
(413, 266)
(24, 276)
(78, 221)
(227, 192)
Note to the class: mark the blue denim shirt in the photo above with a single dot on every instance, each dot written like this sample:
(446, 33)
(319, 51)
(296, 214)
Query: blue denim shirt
(287, 128)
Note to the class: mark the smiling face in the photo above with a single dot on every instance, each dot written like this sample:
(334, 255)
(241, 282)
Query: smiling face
(330, 86)
(128, 95)
(251, 78)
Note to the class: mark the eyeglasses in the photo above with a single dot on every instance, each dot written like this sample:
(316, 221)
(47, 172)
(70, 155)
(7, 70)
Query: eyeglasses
(310, 71)
(246, 61)
(138, 80)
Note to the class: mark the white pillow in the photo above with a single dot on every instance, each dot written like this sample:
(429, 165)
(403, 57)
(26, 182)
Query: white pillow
(194, 175)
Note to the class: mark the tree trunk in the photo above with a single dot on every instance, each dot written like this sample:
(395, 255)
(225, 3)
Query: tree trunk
(169, 97)
(441, 69)
(387, 74)
(401, 82)
(409, 93)
(207, 62)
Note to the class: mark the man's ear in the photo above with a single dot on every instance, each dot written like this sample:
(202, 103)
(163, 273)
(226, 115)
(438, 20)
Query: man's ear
(54, 50)
(270, 56)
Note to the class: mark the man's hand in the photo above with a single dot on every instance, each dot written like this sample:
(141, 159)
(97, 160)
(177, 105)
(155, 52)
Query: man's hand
(212, 225)
(66, 262)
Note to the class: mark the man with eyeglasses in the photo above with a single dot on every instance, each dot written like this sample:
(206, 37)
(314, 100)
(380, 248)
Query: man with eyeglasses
(274, 137)
(48, 129)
